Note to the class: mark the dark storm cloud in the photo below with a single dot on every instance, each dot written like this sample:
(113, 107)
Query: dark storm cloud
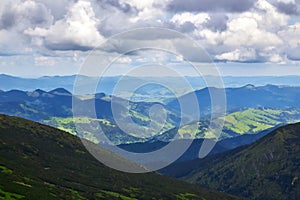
(9, 54)
(124, 7)
(35, 14)
(210, 5)
(294, 53)
(67, 46)
(187, 27)
(183, 28)
(288, 8)
(217, 22)
(7, 20)
(58, 8)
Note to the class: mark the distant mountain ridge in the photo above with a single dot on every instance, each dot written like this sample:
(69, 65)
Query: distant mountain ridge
(8, 82)
(249, 96)
(55, 108)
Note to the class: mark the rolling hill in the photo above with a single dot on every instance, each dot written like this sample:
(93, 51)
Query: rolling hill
(55, 108)
(243, 122)
(41, 162)
(267, 169)
(248, 96)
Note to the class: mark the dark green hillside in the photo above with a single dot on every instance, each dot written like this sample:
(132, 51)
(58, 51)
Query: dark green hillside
(40, 162)
(266, 169)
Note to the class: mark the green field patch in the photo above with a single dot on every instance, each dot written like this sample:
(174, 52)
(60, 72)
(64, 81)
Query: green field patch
(256, 120)
(105, 193)
(132, 191)
(4, 195)
(68, 125)
(5, 170)
(188, 131)
(75, 195)
(188, 196)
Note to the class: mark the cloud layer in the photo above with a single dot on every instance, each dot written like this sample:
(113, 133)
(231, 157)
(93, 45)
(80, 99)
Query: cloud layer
(231, 31)
(210, 5)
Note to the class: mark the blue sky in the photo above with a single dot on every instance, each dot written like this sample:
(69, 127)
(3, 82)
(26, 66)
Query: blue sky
(242, 37)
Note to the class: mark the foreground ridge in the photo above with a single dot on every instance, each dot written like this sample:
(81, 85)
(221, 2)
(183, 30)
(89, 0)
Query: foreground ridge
(41, 162)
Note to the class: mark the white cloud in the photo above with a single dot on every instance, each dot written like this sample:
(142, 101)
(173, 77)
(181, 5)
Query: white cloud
(44, 61)
(12, 43)
(287, 1)
(147, 9)
(247, 35)
(272, 55)
(196, 19)
(291, 35)
(239, 55)
(260, 33)
(270, 19)
(78, 30)
(245, 31)
(124, 59)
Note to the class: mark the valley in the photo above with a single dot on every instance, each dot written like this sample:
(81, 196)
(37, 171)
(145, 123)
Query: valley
(247, 126)
(150, 100)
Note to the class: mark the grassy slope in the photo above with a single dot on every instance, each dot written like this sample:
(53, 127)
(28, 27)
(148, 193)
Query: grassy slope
(138, 113)
(266, 169)
(257, 120)
(40, 162)
(249, 121)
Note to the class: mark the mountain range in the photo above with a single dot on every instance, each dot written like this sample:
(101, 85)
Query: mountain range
(55, 106)
(38, 161)
(247, 112)
(150, 92)
(248, 96)
(256, 156)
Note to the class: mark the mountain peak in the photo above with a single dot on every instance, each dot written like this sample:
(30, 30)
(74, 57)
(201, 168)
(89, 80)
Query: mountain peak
(39, 91)
(36, 93)
(249, 86)
(60, 91)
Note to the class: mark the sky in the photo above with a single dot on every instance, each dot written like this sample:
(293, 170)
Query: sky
(241, 37)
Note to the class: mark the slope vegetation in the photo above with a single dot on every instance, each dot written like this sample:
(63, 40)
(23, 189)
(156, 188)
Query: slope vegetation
(40, 162)
(266, 169)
